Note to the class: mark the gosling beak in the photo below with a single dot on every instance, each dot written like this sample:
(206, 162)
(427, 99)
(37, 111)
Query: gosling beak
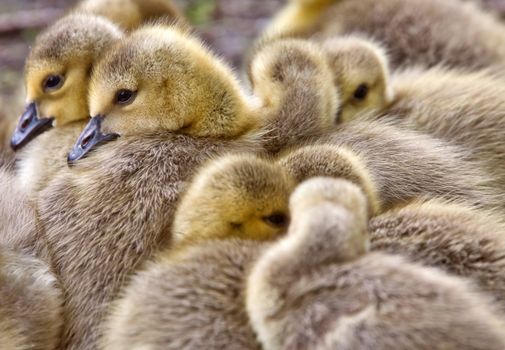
(90, 138)
(29, 127)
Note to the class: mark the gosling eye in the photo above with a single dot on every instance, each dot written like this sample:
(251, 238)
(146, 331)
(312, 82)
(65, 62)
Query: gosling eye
(361, 92)
(236, 225)
(124, 97)
(277, 219)
(52, 82)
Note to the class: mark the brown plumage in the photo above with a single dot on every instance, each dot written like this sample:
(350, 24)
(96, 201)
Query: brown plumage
(193, 301)
(232, 204)
(405, 164)
(474, 119)
(305, 162)
(19, 225)
(415, 32)
(494, 7)
(45, 157)
(109, 213)
(402, 164)
(194, 295)
(466, 109)
(319, 288)
(458, 239)
(30, 303)
(18, 221)
(30, 297)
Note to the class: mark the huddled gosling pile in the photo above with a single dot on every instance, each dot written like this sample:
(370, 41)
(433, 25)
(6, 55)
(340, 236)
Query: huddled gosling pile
(349, 195)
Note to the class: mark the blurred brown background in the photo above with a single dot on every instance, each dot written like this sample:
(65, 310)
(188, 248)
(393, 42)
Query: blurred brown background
(227, 25)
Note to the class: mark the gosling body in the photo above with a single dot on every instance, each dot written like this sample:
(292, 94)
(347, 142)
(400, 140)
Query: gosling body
(184, 307)
(452, 236)
(139, 177)
(131, 14)
(155, 293)
(423, 33)
(398, 164)
(111, 212)
(460, 240)
(30, 303)
(469, 114)
(346, 297)
(474, 120)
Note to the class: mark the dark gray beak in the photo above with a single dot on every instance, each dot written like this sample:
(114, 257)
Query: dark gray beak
(90, 138)
(29, 127)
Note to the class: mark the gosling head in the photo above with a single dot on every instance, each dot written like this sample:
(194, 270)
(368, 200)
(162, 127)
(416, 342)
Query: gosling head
(330, 212)
(130, 14)
(57, 74)
(361, 74)
(281, 65)
(239, 196)
(162, 79)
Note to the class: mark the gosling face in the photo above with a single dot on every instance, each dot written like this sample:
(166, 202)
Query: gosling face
(235, 196)
(57, 73)
(160, 78)
(361, 75)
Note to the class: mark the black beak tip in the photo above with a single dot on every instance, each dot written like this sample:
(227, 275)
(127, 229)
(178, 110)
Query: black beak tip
(90, 138)
(71, 158)
(15, 143)
(29, 127)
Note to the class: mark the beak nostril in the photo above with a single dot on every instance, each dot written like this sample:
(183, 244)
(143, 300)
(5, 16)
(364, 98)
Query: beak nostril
(29, 127)
(87, 139)
(91, 138)
(25, 124)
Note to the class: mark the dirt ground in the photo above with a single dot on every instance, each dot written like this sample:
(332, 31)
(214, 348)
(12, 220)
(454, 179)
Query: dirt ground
(227, 25)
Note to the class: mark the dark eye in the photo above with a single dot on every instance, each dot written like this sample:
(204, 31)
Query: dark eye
(125, 96)
(236, 225)
(53, 82)
(361, 92)
(277, 219)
